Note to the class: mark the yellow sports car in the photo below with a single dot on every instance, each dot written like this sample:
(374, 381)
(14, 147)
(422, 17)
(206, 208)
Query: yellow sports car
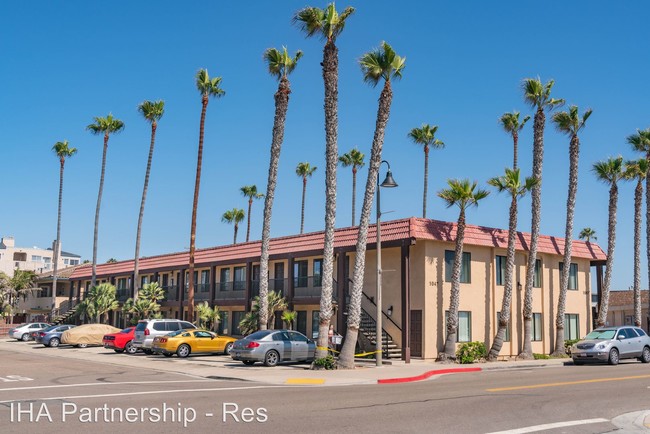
(186, 342)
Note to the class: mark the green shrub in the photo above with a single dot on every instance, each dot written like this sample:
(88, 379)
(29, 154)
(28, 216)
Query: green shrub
(325, 363)
(471, 352)
(568, 344)
(537, 356)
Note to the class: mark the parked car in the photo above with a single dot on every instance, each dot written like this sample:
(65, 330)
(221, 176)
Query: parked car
(22, 332)
(146, 330)
(87, 334)
(51, 336)
(121, 341)
(611, 344)
(274, 346)
(186, 342)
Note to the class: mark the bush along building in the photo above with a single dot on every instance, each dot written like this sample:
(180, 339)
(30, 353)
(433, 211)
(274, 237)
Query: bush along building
(417, 255)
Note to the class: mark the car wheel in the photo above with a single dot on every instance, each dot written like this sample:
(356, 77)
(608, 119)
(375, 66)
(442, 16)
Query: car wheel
(271, 358)
(228, 348)
(167, 354)
(147, 351)
(54, 342)
(118, 350)
(613, 357)
(82, 345)
(24, 337)
(130, 348)
(183, 351)
(248, 362)
(645, 355)
(577, 363)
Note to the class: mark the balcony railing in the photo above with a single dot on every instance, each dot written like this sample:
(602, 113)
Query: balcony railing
(233, 290)
(307, 286)
(122, 294)
(277, 285)
(171, 292)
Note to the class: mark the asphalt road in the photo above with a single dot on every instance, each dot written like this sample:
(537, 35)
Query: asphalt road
(48, 394)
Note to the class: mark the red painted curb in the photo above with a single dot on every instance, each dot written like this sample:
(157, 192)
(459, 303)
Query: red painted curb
(427, 375)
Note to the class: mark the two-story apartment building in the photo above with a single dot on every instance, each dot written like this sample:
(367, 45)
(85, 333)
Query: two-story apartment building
(416, 261)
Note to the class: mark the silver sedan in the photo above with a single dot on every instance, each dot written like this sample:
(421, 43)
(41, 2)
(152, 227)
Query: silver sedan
(611, 344)
(273, 347)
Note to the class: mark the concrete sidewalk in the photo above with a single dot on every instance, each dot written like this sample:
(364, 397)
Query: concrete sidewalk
(223, 367)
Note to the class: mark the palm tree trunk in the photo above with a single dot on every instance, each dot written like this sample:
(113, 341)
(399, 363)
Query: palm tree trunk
(93, 279)
(195, 204)
(504, 318)
(354, 194)
(55, 258)
(136, 265)
(248, 225)
(426, 181)
(536, 194)
(638, 200)
(234, 241)
(302, 208)
(647, 231)
(574, 153)
(515, 144)
(609, 264)
(346, 358)
(330, 80)
(281, 107)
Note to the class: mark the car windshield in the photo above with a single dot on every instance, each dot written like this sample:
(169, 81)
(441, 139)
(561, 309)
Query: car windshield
(259, 335)
(601, 334)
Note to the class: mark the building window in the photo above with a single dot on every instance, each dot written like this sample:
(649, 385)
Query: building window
(318, 272)
(240, 278)
(224, 279)
(629, 320)
(537, 276)
(121, 283)
(36, 258)
(501, 270)
(144, 280)
(507, 336)
(301, 325)
(223, 328)
(464, 331)
(315, 320)
(237, 316)
(465, 268)
(572, 331)
(300, 274)
(537, 327)
(204, 284)
(573, 275)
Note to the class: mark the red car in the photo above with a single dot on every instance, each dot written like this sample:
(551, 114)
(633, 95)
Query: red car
(120, 342)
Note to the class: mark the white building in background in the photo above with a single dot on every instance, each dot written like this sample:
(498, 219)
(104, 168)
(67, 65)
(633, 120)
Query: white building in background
(31, 258)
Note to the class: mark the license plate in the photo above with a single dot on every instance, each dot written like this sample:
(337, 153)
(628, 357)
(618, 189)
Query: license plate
(236, 354)
(580, 354)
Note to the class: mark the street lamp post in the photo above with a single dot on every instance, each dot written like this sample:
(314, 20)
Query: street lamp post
(389, 182)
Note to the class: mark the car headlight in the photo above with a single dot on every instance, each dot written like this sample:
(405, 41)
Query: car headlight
(601, 346)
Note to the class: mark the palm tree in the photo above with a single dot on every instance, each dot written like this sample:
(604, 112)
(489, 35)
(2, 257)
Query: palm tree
(62, 150)
(250, 191)
(21, 285)
(569, 123)
(538, 95)
(209, 317)
(328, 24)
(235, 216)
(106, 126)
(463, 194)
(641, 142)
(280, 65)
(425, 136)
(152, 111)
(511, 125)
(511, 183)
(637, 170)
(304, 170)
(101, 299)
(353, 158)
(289, 318)
(587, 234)
(208, 87)
(609, 172)
(380, 64)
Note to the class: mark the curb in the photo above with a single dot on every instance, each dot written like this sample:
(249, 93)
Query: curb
(427, 375)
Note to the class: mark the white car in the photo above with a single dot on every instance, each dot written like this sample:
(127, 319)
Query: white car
(22, 331)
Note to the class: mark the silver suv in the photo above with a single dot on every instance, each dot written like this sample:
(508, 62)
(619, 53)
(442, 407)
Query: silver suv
(148, 329)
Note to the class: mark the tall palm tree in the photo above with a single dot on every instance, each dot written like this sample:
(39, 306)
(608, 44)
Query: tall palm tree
(106, 126)
(328, 24)
(538, 95)
(380, 64)
(637, 170)
(235, 216)
(511, 183)
(250, 191)
(587, 234)
(463, 194)
(152, 111)
(641, 142)
(511, 125)
(208, 87)
(280, 64)
(353, 158)
(609, 172)
(304, 170)
(569, 123)
(62, 150)
(425, 136)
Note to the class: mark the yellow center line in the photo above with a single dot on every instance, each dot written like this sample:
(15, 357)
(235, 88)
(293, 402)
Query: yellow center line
(566, 383)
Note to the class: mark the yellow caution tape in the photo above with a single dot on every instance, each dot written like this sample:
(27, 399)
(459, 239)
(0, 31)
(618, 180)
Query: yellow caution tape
(356, 355)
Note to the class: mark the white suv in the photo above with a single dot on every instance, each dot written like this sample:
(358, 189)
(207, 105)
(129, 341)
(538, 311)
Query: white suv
(22, 331)
(148, 329)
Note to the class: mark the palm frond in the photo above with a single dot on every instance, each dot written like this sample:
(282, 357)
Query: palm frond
(152, 111)
(63, 149)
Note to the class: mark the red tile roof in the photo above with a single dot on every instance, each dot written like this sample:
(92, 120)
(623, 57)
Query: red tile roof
(626, 298)
(395, 230)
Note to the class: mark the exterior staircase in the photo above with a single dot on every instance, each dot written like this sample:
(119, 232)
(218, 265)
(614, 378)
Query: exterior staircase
(65, 311)
(368, 328)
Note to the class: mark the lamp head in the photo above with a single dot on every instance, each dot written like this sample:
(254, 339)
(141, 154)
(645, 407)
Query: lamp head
(389, 181)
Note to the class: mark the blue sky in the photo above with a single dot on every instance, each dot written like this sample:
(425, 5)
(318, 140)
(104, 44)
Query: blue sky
(66, 62)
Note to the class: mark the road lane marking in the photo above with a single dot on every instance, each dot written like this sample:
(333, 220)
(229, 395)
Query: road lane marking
(550, 426)
(149, 392)
(106, 384)
(566, 383)
(305, 381)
